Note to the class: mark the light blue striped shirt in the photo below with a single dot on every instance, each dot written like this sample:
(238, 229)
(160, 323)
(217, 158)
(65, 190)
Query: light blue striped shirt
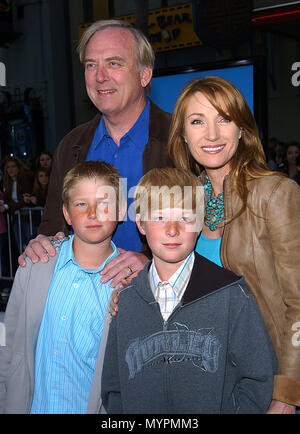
(69, 335)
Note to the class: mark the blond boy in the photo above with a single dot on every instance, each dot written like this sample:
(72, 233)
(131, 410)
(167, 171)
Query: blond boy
(188, 337)
(56, 320)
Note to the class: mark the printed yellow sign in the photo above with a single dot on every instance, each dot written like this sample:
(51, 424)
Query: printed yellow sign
(169, 28)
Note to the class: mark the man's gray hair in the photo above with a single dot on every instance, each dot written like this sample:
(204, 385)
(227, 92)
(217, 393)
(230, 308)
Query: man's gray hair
(145, 52)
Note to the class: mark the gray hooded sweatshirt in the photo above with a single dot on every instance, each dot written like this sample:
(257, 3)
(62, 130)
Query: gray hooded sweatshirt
(212, 355)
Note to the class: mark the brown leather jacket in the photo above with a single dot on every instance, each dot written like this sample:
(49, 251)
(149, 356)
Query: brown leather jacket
(265, 248)
(73, 149)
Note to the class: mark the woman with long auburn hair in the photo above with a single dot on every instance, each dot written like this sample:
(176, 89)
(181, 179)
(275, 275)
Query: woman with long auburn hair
(249, 160)
(252, 214)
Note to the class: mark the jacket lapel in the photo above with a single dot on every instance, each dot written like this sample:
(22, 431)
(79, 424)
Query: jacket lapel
(36, 299)
(206, 278)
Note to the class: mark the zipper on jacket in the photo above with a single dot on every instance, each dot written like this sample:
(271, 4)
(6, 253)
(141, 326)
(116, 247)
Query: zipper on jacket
(165, 325)
(165, 341)
(165, 365)
(167, 356)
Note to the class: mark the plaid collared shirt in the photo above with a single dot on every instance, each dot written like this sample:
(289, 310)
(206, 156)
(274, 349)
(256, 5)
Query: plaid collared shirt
(168, 294)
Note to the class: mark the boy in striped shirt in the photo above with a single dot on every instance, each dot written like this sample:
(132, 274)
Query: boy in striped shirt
(56, 317)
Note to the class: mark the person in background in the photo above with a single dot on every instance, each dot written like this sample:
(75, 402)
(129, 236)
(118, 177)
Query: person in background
(271, 153)
(56, 319)
(30, 163)
(3, 236)
(38, 197)
(280, 157)
(17, 186)
(129, 131)
(292, 152)
(252, 214)
(30, 166)
(40, 188)
(44, 161)
(297, 176)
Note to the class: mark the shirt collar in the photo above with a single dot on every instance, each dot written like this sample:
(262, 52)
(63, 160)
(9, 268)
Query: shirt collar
(138, 133)
(66, 255)
(178, 279)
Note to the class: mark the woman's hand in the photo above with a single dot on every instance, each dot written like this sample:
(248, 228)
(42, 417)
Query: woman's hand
(278, 407)
(38, 248)
(26, 198)
(33, 199)
(123, 268)
(113, 302)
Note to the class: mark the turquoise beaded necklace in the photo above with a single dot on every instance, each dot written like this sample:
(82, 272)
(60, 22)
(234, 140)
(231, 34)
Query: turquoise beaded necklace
(214, 206)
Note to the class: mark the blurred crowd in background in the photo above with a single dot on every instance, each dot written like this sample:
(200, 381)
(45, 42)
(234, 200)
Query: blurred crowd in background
(285, 157)
(23, 192)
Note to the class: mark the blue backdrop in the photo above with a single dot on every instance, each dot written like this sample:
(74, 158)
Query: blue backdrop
(166, 88)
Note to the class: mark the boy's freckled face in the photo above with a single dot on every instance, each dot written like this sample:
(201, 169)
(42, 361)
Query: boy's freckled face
(171, 234)
(92, 210)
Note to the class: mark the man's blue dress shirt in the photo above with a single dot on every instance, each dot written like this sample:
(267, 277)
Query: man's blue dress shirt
(128, 159)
